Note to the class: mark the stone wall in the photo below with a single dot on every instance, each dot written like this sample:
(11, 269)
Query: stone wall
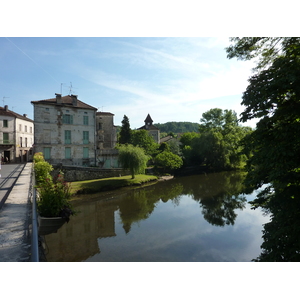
(75, 173)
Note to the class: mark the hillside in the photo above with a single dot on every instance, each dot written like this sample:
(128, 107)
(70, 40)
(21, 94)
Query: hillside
(178, 127)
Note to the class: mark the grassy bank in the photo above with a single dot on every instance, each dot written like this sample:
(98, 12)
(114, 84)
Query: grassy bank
(108, 184)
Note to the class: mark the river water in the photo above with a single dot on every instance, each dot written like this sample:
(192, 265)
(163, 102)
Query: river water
(199, 218)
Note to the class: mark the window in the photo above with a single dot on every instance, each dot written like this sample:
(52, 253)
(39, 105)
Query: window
(30, 129)
(25, 128)
(85, 120)
(85, 152)
(100, 126)
(67, 136)
(5, 123)
(67, 119)
(5, 138)
(21, 140)
(20, 127)
(68, 153)
(47, 152)
(85, 137)
(26, 142)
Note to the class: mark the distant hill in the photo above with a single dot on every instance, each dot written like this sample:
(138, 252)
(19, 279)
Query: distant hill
(178, 127)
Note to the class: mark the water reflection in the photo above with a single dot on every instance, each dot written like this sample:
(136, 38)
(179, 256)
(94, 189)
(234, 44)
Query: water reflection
(217, 197)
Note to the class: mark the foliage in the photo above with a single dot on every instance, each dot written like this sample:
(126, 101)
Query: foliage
(273, 96)
(143, 139)
(168, 161)
(219, 144)
(133, 158)
(177, 127)
(53, 195)
(42, 168)
(125, 132)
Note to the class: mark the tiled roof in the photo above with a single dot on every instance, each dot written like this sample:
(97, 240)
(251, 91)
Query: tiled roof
(66, 101)
(9, 113)
(104, 113)
(149, 127)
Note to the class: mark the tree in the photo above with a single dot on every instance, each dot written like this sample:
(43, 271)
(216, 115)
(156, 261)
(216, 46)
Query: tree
(219, 145)
(168, 161)
(218, 119)
(132, 158)
(125, 133)
(142, 139)
(273, 96)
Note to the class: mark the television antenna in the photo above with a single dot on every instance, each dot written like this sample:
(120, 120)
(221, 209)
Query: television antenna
(4, 100)
(71, 89)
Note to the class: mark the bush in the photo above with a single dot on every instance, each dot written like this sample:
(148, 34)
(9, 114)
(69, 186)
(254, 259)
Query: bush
(53, 195)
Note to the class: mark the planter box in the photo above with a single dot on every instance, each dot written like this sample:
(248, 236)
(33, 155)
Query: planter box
(49, 225)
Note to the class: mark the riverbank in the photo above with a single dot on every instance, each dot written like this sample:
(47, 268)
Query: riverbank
(109, 184)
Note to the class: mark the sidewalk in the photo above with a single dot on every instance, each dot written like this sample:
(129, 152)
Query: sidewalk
(15, 221)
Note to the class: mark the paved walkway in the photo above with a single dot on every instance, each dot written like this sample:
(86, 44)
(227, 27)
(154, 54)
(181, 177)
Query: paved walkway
(15, 221)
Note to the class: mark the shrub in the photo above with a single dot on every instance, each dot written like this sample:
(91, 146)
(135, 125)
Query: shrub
(53, 195)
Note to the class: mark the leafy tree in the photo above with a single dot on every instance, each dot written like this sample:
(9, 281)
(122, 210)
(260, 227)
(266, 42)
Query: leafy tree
(273, 96)
(142, 139)
(168, 161)
(219, 144)
(132, 158)
(125, 133)
(186, 138)
(218, 119)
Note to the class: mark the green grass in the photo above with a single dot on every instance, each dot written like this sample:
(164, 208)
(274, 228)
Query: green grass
(108, 184)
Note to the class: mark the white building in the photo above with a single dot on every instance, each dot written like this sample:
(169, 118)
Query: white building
(65, 130)
(16, 136)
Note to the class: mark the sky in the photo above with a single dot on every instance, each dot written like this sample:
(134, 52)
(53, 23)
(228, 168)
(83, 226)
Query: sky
(170, 78)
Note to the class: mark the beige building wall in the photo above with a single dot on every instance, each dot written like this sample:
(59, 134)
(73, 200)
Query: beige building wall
(65, 133)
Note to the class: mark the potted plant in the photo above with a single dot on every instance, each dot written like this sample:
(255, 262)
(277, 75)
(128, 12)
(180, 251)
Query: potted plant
(53, 197)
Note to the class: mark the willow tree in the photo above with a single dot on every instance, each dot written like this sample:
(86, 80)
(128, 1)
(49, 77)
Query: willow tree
(133, 158)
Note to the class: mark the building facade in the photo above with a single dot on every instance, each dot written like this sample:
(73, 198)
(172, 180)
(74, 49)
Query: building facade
(106, 134)
(152, 130)
(65, 130)
(16, 136)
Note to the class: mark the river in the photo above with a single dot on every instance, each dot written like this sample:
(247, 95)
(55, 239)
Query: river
(199, 218)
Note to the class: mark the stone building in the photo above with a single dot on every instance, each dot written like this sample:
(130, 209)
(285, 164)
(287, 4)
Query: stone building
(16, 136)
(153, 130)
(65, 130)
(106, 133)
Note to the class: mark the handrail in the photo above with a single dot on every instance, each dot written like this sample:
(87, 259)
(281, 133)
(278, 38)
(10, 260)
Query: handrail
(34, 233)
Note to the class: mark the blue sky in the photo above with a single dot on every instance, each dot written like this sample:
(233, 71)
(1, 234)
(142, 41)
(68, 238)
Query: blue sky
(172, 79)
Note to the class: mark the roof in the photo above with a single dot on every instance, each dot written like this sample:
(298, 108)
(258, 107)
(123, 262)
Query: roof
(65, 101)
(148, 119)
(149, 127)
(6, 112)
(102, 113)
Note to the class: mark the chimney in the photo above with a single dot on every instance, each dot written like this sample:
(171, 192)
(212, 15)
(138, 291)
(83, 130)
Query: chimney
(6, 107)
(74, 98)
(25, 115)
(58, 98)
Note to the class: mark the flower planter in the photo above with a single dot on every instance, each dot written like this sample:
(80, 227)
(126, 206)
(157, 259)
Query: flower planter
(50, 225)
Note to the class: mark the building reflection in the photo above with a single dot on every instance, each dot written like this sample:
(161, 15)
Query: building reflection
(77, 240)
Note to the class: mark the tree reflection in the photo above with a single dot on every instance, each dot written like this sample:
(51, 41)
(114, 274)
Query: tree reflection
(219, 195)
(220, 210)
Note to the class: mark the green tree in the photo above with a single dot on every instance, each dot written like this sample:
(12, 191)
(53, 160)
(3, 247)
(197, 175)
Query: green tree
(125, 132)
(133, 158)
(273, 96)
(168, 161)
(219, 144)
(144, 140)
